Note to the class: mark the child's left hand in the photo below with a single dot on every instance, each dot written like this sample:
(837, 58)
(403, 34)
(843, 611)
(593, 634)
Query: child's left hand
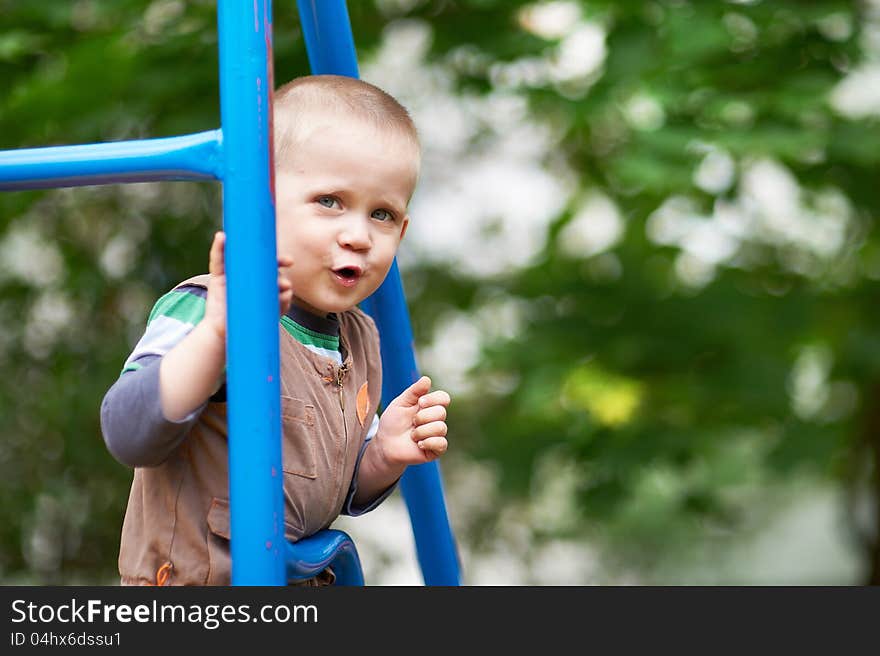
(412, 429)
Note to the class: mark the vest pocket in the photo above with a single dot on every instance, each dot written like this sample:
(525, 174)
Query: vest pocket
(298, 438)
(219, 558)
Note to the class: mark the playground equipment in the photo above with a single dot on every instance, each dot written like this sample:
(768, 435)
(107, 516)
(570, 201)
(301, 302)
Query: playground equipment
(239, 155)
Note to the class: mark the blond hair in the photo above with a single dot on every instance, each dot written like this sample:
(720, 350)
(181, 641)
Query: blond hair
(305, 102)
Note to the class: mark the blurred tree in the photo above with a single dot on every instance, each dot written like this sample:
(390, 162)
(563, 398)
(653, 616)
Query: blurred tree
(720, 340)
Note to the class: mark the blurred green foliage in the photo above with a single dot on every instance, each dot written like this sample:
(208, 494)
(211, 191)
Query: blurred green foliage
(675, 400)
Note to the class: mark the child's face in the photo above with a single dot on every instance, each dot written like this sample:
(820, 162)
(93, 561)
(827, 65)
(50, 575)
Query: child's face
(341, 204)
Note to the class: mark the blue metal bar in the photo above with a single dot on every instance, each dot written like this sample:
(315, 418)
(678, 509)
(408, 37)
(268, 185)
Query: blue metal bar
(330, 46)
(329, 41)
(188, 157)
(421, 484)
(255, 475)
(312, 554)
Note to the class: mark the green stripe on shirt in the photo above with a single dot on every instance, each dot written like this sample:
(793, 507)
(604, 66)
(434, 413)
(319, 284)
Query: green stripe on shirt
(309, 337)
(176, 313)
(133, 366)
(180, 305)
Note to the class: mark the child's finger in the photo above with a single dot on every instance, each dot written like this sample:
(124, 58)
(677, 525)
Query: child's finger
(285, 294)
(426, 415)
(435, 398)
(433, 429)
(437, 445)
(216, 264)
(411, 395)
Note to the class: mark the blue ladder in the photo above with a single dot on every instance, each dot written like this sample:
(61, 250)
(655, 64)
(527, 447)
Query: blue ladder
(239, 156)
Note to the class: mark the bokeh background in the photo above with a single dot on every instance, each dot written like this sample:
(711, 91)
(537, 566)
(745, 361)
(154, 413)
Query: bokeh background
(643, 258)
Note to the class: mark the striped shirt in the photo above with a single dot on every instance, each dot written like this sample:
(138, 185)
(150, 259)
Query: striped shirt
(177, 313)
(133, 425)
(172, 318)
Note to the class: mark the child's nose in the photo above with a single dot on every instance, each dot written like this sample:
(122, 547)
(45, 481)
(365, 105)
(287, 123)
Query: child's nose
(355, 234)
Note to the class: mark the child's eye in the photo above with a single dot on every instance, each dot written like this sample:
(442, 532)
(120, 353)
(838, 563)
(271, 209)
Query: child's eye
(382, 215)
(327, 201)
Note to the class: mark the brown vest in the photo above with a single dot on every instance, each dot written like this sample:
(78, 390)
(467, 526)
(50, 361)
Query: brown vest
(176, 528)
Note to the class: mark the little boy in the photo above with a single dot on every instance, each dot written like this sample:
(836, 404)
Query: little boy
(347, 160)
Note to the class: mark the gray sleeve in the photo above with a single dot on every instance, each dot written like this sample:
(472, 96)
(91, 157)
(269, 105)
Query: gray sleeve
(135, 430)
(349, 507)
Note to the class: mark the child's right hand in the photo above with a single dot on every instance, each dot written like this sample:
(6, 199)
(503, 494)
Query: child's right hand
(215, 304)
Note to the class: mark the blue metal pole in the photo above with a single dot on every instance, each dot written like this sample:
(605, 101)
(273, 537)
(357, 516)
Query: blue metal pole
(330, 46)
(255, 489)
(329, 41)
(188, 157)
(421, 484)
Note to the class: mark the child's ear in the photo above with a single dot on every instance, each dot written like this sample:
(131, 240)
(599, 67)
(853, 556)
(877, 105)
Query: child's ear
(404, 226)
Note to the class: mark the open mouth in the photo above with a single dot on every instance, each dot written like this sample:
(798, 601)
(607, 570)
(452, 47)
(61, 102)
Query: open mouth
(347, 275)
